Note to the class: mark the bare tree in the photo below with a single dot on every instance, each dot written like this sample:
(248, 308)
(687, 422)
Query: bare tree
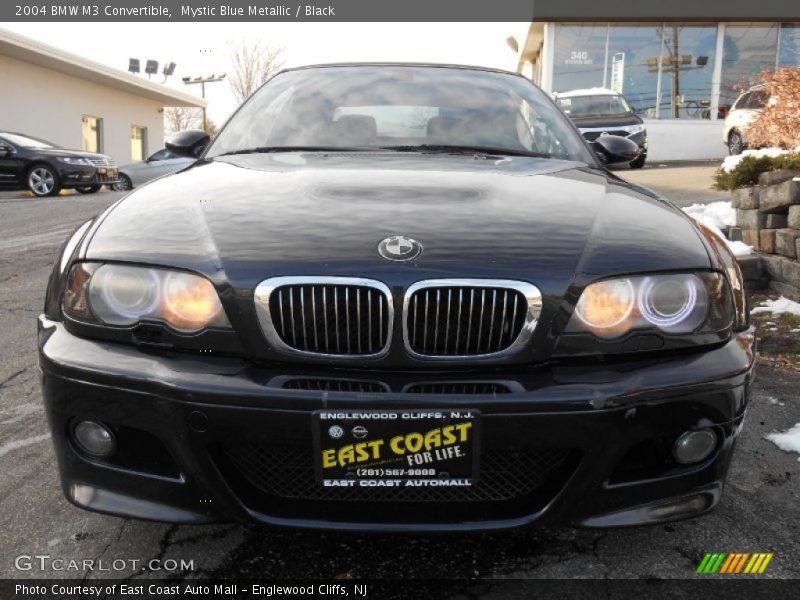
(178, 118)
(253, 63)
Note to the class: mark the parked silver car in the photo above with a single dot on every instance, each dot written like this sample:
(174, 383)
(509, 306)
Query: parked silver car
(158, 164)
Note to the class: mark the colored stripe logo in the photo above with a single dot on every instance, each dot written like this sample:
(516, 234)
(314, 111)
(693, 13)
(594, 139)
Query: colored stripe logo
(734, 563)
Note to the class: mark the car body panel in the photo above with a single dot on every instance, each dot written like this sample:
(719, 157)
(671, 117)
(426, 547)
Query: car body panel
(158, 164)
(743, 112)
(591, 126)
(581, 432)
(14, 166)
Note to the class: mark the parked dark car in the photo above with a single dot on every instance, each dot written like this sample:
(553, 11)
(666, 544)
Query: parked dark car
(600, 112)
(29, 163)
(396, 297)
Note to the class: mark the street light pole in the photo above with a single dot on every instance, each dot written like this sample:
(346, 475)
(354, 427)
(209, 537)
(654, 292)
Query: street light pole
(203, 81)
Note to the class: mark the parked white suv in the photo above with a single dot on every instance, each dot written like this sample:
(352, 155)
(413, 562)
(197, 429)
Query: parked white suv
(743, 112)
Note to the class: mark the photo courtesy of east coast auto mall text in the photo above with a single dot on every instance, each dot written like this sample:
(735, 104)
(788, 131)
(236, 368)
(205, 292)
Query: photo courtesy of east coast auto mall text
(361, 299)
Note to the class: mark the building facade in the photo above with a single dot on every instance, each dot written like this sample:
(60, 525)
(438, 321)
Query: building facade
(80, 104)
(682, 78)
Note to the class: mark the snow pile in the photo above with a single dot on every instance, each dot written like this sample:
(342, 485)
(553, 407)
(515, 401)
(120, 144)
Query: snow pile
(773, 400)
(740, 248)
(717, 216)
(730, 162)
(778, 307)
(788, 441)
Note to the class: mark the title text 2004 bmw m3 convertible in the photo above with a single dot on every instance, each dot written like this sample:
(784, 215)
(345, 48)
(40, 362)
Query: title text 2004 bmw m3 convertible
(396, 297)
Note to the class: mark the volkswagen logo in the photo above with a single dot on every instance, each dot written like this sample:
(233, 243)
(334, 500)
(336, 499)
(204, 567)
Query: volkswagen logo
(335, 431)
(400, 248)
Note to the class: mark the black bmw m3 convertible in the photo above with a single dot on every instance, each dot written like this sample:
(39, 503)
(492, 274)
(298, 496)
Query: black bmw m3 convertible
(396, 297)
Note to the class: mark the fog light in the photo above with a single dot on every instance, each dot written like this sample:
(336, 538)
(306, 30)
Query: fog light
(694, 446)
(94, 438)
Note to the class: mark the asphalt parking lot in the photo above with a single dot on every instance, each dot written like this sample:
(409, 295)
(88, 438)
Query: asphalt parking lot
(760, 511)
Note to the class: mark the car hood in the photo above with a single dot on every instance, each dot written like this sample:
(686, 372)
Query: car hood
(76, 153)
(241, 219)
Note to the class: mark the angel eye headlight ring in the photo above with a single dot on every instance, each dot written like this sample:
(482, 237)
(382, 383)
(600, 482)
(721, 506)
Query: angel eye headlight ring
(667, 302)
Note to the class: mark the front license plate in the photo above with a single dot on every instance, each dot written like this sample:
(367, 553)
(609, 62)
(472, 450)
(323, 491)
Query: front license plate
(388, 448)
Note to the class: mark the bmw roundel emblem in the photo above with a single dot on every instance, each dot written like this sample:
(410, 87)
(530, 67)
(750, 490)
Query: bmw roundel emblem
(399, 248)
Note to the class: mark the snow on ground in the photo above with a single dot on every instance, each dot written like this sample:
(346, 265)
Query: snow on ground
(778, 307)
(788, 441)
(717, 216)
(773, 400)
(730, 162)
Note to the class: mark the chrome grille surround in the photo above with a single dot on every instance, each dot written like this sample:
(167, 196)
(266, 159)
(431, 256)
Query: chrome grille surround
(529, 291)
(102, 162)
(266, 288)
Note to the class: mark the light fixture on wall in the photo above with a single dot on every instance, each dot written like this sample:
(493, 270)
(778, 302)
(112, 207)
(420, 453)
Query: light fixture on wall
(151, 67)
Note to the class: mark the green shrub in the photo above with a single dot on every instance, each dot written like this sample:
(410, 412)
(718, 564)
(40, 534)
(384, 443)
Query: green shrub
(750, 167)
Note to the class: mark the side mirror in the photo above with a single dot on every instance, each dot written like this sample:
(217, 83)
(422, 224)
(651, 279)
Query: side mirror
(4, 150)
(615, 150)
(189, 143)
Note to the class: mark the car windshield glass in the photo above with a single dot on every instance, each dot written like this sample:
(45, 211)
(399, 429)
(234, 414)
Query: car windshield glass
(434, 109)
(27, 142)
(600, 104)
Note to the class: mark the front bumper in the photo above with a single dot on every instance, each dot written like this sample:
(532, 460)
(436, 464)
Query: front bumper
(568, 443)
(79, 175)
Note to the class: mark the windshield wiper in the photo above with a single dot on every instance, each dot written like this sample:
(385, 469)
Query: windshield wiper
(274, 149)
(459, 149)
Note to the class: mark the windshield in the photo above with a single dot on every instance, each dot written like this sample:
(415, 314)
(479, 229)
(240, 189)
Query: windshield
(401, 108)
(600, 104)
(26, 142)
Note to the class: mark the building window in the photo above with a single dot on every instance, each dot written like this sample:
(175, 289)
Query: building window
(748, 49)
(662, 69)
(687, 64)
(789, 45)
(579, 56)
(92, 134)
(138, 142)
(632, 65)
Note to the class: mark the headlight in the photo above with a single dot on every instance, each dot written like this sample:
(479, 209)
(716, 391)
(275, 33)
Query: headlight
(74, 160)
(123, 295)
(631, 129)
(671, 304)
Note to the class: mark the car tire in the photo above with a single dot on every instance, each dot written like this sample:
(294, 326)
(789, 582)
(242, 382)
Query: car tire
(639, 162)
(123, 185)
(88, 189)
(735, 143)
(43, 181)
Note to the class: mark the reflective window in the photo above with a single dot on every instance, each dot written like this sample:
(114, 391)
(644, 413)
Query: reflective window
(789, 45)
(748, 50)
(402, 108)
(627, 58)
(579, 56)
(92, 134)
(138, 142)
(687, 66)
(632, 68)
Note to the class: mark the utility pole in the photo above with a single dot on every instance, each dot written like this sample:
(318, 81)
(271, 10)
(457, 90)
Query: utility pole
(203, 81)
